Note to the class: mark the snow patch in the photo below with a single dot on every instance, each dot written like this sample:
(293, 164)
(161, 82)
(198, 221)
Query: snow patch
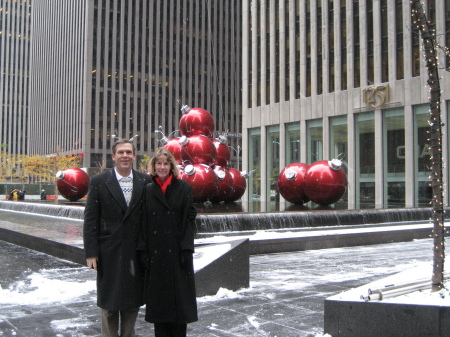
(37, 289)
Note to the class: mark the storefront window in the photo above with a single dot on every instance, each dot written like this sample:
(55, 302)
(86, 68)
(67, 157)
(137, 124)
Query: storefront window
(273, 162)
(315, 140)
(394, 157)
(254, 164)
(365, 160)
(292, 143)
(423, 193)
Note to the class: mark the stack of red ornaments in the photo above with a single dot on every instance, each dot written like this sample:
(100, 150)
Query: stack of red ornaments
(204, 160)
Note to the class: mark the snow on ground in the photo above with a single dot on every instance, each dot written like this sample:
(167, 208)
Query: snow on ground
(43, 288)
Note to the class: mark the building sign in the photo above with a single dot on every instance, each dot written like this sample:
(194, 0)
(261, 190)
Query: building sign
(376, 96)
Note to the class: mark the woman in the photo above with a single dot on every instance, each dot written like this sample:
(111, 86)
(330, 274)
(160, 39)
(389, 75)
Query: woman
(167, 245)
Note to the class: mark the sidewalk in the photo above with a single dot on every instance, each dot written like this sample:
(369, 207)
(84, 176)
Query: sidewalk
(45, 296)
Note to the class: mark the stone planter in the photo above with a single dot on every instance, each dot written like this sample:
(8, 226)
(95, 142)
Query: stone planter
(347, 314)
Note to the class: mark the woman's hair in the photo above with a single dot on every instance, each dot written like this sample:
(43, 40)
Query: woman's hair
(162, 151)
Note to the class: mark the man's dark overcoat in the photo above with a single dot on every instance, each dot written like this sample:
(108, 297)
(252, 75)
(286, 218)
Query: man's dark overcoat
(167, 229)
(111, 231)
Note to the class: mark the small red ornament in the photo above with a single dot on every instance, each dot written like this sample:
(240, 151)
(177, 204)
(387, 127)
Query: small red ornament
(203, 180)
(73, 183)
(197, 149)
(225, 184)
(239, 184)
(325, 182)
(196, 121)
(291, 183)
(223, 151)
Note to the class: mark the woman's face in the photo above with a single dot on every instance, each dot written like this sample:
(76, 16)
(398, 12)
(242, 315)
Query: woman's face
(162, 168)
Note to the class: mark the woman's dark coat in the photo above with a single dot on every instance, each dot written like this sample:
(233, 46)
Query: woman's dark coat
(111, 231)
(168, 229)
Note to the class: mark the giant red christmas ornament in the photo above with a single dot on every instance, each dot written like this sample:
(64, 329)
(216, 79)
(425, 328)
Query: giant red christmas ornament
(225, 185)
(239, 184)
(196, 121)
(291, 181)
(203, 181)
(223, 151)
(73, 183)
(197, 149)
(174, 146)
(180, 171)
(325, 182)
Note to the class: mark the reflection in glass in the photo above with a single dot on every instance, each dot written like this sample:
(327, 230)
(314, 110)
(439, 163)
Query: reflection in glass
(292, 143)
(423, 193)
(394, 157)
(315, 140)
(273, 162)
(339, 142)
(254, 164)
(365, 160)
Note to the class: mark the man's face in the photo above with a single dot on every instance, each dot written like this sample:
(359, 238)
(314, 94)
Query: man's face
(124, 157)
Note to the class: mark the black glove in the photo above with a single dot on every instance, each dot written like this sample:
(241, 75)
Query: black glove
(144, 259)
(186, 258)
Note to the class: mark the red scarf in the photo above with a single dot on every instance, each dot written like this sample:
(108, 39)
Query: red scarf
(164, 184)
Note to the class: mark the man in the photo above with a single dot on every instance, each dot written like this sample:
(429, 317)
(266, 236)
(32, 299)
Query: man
(111, 225)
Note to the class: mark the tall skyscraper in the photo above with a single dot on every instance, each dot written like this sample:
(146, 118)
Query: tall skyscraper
(15, 21)
(100, 69)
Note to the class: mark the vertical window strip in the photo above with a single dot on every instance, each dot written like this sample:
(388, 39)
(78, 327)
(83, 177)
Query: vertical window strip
(384, 42)
(399, 40)
(356, 46)
(319, 48)
(331, 46)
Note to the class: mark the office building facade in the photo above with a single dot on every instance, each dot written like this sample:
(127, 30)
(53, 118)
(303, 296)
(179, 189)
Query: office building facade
(325, 79)
(107, 69)
(15, 36)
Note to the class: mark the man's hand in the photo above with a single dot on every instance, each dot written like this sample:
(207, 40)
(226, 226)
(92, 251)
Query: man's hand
(186, 258)
(91, 262)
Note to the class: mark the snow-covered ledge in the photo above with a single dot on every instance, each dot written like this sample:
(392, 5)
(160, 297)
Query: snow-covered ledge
(416, 313)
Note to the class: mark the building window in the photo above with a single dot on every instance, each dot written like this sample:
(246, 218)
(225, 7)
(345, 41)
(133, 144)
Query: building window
(297, 49)
(314, 136)
(365, 160)
(394, 157)
(267, 44)
(338, 137)
(422, 155)
(258, 53)
(273, 161)
(292, 143)
(250, 55)
(370, 55)
(287, 52)
(356, 44)
(399, 41)
(339, 142)
(330, 46)
(384, 42)
(447, 33)
(254, 163)
(415, 50)
(319, 48)
(343, 46)
(308, 48)
(277, 48)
